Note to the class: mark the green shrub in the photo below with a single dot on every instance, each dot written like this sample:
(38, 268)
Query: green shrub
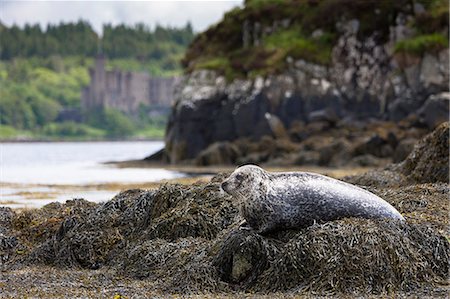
(420, 44)
(293, 43)
(72, 129)
(114, 122)
(9, 132)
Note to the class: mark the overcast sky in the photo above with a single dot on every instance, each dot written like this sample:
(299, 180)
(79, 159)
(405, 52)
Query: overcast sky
(202, 14)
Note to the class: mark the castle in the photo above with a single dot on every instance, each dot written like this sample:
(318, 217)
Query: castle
(125, 91)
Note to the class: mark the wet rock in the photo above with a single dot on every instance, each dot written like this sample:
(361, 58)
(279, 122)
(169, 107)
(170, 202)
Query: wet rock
(219, 153)
(334, 154)
(159, 156)
(306, 158)
(430, 71)
(403, 149)
(276, 126)
(242, 257)
(375, 145)
(368, 161)
(435, 110)
(327, 115)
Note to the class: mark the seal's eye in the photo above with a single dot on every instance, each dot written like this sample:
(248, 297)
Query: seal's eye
(240, 177)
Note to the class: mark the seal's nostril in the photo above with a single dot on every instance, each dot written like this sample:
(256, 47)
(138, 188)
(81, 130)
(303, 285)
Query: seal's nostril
(224, 185)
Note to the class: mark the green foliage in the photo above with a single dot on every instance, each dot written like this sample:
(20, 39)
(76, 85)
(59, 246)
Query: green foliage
(420, 44)
(43, 73)
(150, 132)
(79, 39)
(114, 122)
(214, 63)
(165, 67)
(8, 132)
(15, 108)
(34, 91)
(72, 129)
(221, 47)
(293, 43)
(63, 39)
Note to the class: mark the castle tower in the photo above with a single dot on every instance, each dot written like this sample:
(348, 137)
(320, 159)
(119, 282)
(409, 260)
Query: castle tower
(94, 94)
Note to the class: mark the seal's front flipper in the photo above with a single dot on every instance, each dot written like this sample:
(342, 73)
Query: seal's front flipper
(244, 225)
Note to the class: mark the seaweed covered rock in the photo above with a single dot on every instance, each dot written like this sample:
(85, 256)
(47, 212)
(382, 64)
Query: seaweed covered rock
(359, 256)
(186, 239)
(345, 256)
(242, 257)
(8, 242)
(171, 212)
(428, 161)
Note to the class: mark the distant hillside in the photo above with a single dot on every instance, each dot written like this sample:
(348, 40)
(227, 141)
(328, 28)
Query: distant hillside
(71, 39)
(259, 38)
(42, 74)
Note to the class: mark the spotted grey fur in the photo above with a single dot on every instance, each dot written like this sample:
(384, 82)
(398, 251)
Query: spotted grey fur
(275, 201)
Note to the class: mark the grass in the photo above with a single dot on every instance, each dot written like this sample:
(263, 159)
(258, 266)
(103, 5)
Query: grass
(293, 43)
(8, 132)
(69, 131)
(270, 56)
(422, 43)
(213, 63)
(72, 129)
(151, 132)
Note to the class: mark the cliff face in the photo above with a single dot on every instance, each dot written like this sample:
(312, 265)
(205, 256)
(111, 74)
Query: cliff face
(366, 77)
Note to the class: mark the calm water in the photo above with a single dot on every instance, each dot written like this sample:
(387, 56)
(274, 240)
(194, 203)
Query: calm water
(44, 167)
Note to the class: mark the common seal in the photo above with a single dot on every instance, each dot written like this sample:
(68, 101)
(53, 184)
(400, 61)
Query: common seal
(274, 201)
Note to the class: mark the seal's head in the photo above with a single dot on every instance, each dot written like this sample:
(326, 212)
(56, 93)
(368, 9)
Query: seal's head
(245, 180)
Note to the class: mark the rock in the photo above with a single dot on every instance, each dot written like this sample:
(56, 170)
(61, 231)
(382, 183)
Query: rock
(364, 80)
(403, 149)
(219, 153)
(327, 115)
(243, 255)
(367, 160)
(402, 107)
(317, 33)
(419, 9)
(307, 158)
(444, 64)
(430, 71)
(334, 154)
(159, 156)
(435, 110)
(276, 126)
(412, 73)
(374, 145)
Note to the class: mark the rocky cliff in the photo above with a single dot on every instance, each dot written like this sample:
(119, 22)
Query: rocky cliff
(379, 66)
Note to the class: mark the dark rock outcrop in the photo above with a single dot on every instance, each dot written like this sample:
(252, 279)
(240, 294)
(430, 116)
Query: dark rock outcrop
(435, 110)
(365, 81)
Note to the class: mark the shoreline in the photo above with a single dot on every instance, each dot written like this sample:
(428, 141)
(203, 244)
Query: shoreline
(22, 196)
(190, 170)
(76, 140)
